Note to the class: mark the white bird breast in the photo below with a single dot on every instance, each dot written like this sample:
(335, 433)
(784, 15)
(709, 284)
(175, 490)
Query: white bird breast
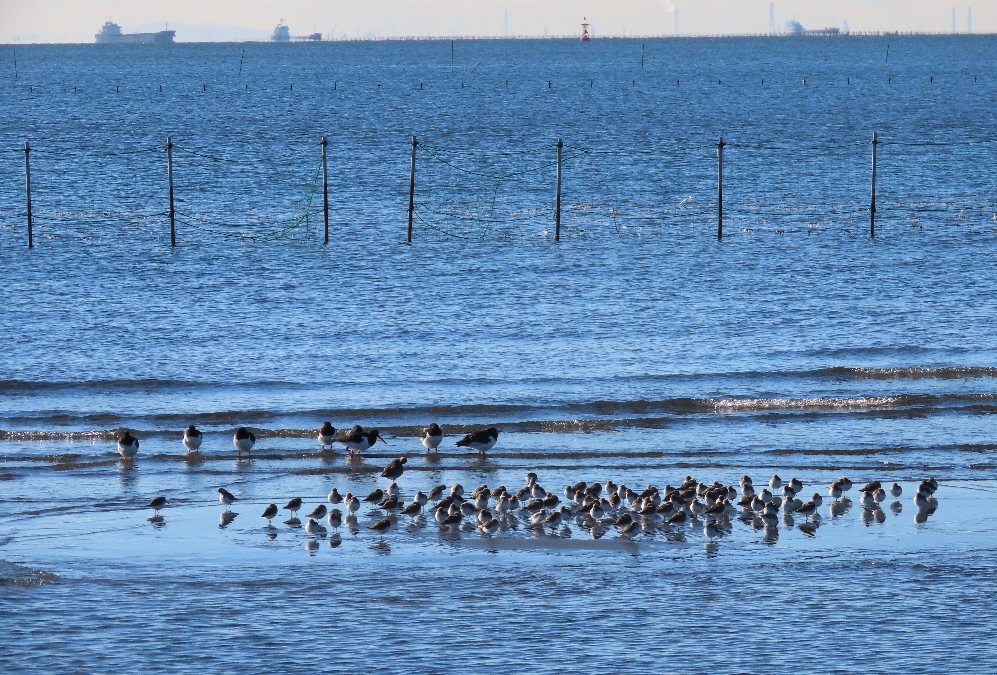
(432, 442)
(243, 443)
(192, 443)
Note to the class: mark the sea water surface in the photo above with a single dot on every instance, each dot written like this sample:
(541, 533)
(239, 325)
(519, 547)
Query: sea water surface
(637, 348)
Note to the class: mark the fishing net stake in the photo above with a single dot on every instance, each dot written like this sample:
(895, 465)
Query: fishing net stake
(720, 189)
(872, 201)
(411, 190)
(325, 190)
(27, 189)
(169, 174)
(557, 202)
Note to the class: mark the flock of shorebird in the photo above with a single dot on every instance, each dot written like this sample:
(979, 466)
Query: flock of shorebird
(356, 440)
(597, 507)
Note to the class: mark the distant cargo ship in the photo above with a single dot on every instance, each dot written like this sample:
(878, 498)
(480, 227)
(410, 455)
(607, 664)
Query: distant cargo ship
(282, 33)
(111, 34)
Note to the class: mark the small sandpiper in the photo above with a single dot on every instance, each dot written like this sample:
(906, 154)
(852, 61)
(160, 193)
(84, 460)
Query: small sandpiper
(353, 503)
(293, 505)
(394, 469)
(192, 439)
(318, 513)
(127, 446)
(226, 497)
(334, 497)
(270, 513)
(335, 519)
(157, 503)
(775, 482)
(432, 436)
(896, 490)
(482, 441)
(436, 493)
(243, 440)
(375, 497)
(326, 435)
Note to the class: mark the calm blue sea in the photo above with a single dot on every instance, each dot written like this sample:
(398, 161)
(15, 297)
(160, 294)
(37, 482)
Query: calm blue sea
(637, 348)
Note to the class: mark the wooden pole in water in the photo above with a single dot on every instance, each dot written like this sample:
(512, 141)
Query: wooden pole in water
(325, 190)
(872, 202)
(169, 175)
(720, 189)
(27, 190)
(557, 202)
(411, 190)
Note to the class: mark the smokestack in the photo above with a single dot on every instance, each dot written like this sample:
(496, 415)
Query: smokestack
(771, 18)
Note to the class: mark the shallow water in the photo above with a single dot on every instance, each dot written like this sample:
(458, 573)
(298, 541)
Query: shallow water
(638, 348)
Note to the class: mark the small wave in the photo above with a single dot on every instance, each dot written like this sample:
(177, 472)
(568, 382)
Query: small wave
(912, 373)
(11, 573)
(592, 416)
(21, 387)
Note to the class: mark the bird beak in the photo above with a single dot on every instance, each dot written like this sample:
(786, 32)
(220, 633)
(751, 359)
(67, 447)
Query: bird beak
(382, 439)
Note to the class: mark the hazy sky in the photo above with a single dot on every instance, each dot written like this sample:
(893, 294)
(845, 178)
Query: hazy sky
(78, 20)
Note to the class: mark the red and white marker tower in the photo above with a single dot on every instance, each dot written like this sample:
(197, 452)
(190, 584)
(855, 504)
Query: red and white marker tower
(585, 31)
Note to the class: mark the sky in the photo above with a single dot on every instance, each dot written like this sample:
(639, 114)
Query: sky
(26, 21)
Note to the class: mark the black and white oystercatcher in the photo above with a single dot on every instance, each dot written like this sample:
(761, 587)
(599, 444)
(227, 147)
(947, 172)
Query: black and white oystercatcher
(432, 436)
(192, 439)
(395, 468)
(244, 440)
(326, 435)
(482, 441)
(127, 446)
(358, 440)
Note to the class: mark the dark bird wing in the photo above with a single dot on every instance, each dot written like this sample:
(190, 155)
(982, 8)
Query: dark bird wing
(474, 437)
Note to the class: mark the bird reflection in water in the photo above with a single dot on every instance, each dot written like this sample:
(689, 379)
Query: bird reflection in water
(311, 546)
(226, 518)
(381, 546)
(896, 507)
(335, 541)
(770, 534)
(840, 507)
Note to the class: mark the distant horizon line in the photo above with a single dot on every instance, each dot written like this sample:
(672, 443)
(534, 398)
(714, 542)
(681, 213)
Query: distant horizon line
(611, 36)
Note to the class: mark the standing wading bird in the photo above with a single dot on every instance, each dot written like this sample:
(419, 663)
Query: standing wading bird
(293, 505)
(381, 526)
(157, 503)
(326, 435)
(394, 469)
(192, 439)
(482, 441)
(128, 446)
(358, 440)
(243, 440)
(269, 513)
(432, 436)
(226, 497)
